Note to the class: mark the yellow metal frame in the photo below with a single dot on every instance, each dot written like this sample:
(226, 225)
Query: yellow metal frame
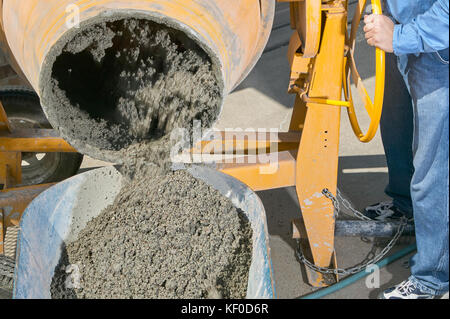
(306, 19)
(308, 153)
(308, 157)
(374, 109)
(13, 199)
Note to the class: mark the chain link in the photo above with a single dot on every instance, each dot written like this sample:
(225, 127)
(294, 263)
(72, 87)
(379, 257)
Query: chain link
(357, 268)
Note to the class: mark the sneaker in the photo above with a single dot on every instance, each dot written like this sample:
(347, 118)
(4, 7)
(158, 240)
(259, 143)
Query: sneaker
(384, 211)
(406, 290)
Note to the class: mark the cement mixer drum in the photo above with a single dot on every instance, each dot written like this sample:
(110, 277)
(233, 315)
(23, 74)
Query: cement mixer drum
(50, 41)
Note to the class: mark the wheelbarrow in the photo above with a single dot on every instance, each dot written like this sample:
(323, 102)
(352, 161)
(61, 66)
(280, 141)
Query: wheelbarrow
(57, 216)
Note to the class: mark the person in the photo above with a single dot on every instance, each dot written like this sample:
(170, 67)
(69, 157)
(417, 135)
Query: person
(414, 130)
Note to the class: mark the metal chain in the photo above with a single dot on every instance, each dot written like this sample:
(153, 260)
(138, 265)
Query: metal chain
(345, 203)
(358, 268)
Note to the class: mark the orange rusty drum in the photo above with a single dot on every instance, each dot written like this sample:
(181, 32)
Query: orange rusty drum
(233, 32)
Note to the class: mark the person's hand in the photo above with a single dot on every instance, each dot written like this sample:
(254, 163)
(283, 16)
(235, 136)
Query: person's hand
(379, 31)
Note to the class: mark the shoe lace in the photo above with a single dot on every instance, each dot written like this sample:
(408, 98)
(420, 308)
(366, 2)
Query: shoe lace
(384, 208)
(407, 287)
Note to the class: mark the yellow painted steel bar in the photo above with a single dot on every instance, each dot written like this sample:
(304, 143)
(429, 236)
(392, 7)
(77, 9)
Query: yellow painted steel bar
(327, 101)
(10, 169)
(317, 159)
(4, 123)
(262, 176)
(33, 140)
(248, 142)
(13, 143)
(298, 115)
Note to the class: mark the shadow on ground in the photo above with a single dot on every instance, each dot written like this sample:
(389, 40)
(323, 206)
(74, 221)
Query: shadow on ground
(360, 188)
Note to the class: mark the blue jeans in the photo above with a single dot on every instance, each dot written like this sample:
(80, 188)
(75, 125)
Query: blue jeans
(414, 130)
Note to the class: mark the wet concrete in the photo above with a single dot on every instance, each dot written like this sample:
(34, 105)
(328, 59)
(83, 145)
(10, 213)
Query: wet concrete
(169, 237)
(121, 82)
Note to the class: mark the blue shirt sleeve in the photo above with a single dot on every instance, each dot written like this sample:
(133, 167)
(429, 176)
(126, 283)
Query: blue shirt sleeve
(428, 32)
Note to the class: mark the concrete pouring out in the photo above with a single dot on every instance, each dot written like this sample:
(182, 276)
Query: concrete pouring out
(124, 86)
(121, 82)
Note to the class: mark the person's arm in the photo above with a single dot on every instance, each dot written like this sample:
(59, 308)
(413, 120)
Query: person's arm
(428, 32)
